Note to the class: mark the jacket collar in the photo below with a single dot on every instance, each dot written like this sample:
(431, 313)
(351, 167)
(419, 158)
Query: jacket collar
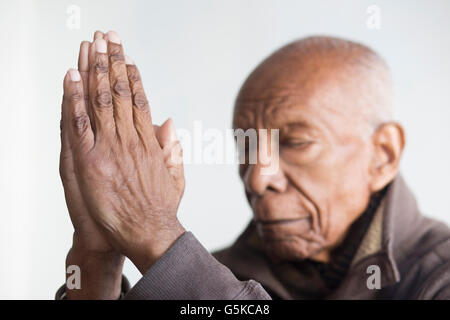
(381, 246)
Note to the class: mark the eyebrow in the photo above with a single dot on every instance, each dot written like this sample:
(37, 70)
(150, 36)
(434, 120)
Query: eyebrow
(295, 119)
(297, 124)
(294, 125)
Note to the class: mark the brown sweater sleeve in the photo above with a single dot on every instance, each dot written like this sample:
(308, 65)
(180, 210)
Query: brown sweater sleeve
(188, 271)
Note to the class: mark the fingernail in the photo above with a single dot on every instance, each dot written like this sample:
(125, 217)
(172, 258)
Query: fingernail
(74, 75)
(100, 46)
(98, 35)
(128, 60)
(113, 37)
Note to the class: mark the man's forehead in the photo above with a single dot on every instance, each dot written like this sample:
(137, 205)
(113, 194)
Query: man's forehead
(317, 80)
(305, 109)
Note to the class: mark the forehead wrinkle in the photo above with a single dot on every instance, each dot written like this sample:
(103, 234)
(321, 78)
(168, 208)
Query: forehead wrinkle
(289, 110)
(343, 78)
(316, 91)
(254, 109)
(245, 115)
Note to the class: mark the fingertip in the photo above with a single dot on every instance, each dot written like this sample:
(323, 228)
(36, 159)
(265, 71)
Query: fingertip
(171, 129)
(83, 59)
(100, 46)
(73, 75)
(165, 124)
(98, 35)
(113, 36)
(164, 134)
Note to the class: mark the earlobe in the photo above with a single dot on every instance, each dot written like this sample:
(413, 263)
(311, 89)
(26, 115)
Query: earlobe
(389, 142)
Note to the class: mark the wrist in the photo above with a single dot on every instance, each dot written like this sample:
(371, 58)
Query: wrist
(153, 249)
(100, 273)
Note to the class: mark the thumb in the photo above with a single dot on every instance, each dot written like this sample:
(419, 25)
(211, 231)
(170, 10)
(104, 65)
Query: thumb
(166, 134)
(172, 151)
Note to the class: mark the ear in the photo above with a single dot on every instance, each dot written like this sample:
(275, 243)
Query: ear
(388, 142)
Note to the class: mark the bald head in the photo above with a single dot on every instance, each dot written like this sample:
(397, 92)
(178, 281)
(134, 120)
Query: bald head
(331, 101)
(325, 70)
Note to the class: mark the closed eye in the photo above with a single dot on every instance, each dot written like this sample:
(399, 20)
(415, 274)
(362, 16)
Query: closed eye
(296, 144)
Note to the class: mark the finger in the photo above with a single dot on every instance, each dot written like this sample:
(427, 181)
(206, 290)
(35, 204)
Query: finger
(141, 110)
(120, 89)
(66, 167)
(83, 64)
(65, 159)
(99, 90)
(98, 35)
(83, 68)
(77, 121)
(65, 155)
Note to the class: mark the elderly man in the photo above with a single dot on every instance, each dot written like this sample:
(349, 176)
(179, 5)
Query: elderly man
(334, 221)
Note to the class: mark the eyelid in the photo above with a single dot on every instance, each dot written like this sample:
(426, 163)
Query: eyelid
(297, 143)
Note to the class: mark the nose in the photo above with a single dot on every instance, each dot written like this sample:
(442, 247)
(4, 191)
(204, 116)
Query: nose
(257, 181)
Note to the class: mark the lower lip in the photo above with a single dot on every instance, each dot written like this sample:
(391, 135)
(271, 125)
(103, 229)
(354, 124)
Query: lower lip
(281, 229)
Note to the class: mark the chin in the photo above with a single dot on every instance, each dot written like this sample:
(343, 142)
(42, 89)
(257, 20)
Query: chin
(293, 241)
(292, 249)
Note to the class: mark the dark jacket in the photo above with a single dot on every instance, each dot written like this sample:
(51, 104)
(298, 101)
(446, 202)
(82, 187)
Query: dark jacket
(411, 251)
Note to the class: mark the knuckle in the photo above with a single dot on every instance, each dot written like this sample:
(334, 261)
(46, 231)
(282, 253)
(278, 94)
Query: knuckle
(122, 89)
(115, 53)
(133, 145)
(101, 68)
(80, 123)
(114, 48)
(101, 65)
(103, 99)
(133, 74)
(74, 97)
(140, 101)
(117, 58)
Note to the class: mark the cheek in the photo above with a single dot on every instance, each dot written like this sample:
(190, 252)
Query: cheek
(349, 190)
(336, 181)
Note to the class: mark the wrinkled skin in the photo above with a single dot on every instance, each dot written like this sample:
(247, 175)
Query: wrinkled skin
(123, 186)
(120, 179)
(330, 157)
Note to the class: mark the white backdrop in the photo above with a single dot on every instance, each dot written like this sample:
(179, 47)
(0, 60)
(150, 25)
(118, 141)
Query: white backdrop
(193, 56)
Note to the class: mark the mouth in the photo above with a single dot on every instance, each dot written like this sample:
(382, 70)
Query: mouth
(280, 221)
(284, 229)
